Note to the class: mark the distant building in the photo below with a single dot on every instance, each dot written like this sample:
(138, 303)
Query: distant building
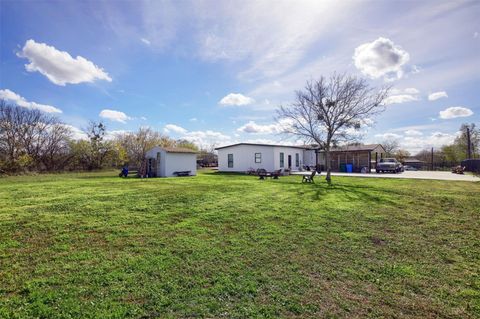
(168, 161)
(242, 157)
(418, 164)
(360, 156)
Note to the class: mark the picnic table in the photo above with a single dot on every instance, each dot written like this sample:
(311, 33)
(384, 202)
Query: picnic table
(182, 173)
(262, 174)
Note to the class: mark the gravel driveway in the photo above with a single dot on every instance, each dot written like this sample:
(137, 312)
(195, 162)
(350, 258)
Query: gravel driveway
(447, 176)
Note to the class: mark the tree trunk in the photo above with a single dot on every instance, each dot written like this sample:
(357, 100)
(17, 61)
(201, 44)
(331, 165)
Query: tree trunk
(328, 165)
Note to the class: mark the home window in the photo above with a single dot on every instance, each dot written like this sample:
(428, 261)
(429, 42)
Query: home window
(297, 159)
(230, 160)
(258, 157)
(282, 160)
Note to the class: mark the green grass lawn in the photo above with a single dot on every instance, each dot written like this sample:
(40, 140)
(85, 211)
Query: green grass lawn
(231, 246)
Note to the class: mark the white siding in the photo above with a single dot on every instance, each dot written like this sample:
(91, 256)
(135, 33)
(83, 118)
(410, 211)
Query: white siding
(173, 162)
(288, 151)
(244, 158)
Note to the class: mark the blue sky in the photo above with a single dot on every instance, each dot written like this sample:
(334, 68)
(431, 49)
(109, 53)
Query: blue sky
(215, 71)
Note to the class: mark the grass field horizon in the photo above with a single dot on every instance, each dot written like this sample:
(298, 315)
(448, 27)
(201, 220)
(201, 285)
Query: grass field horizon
(93, 245)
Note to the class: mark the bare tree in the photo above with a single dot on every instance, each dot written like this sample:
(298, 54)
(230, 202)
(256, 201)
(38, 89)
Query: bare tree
(136, 144)
(183, 143)
(99, 149)
(55, 151)
(391, 146)
(28, 137)
(329, 111)
(401, 155)
(207, 156)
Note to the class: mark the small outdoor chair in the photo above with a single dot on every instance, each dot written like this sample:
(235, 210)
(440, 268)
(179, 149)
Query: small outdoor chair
(458, 169)
(262, 173)
(276, 174)
(309, 178)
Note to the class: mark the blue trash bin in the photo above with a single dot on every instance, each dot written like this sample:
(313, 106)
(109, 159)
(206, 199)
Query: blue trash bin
(349, 168)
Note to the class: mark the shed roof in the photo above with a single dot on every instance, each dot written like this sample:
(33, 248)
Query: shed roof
(356, 148)
(178, 150)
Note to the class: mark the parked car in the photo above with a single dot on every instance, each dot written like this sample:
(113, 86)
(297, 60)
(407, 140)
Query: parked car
(389, 165)
(409, 168)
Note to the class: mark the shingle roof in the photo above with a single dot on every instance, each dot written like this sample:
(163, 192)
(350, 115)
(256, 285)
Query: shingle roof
(354, 148)
(178, 150)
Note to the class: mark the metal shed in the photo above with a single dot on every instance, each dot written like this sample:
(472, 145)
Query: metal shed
(171, 161)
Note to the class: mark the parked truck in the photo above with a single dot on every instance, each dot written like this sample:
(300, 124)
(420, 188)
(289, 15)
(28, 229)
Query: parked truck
(389, 165)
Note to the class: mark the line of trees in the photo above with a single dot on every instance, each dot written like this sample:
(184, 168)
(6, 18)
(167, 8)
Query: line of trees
(466, 144)
(453, 154)
(392, 149)
(446, 156)
(31, 140)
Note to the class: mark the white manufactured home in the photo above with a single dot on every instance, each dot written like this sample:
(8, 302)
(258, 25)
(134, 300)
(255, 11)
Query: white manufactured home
(242, 157)
(171, 161)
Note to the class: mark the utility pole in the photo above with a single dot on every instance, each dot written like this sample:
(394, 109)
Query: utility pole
(469, 144)
(431, 157)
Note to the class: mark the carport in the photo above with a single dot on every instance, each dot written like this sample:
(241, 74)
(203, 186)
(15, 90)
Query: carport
(358, 156)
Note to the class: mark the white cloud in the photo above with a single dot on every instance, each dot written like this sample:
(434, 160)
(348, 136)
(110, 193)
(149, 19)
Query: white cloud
(411, 91)
(415, 144)
(437, 95)
(59, 66)
(262, 35)
(415, 141)
(174, 128)
(8, 95)
(236, 99)
(402, 98)
(110, 135)
(206, 137)
(146, 41)
(388, 136)
(413, 133)
(114, 115)
(380, 58)
(367, 122)
(77, 134)
(252, 127)
(454, 112)
(198, 137)
(193, 119)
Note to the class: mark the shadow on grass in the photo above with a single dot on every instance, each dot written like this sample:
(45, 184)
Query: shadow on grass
(355, 192)
(218, 173)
